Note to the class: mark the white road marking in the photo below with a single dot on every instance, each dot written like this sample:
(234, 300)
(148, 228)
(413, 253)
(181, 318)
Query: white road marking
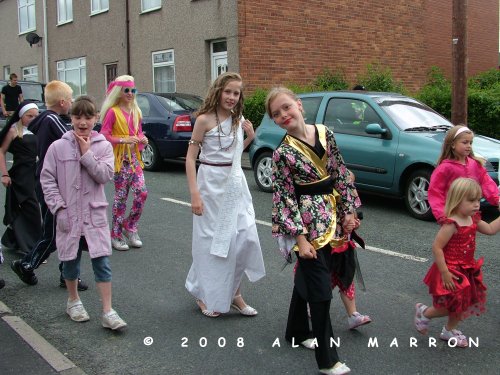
(369, 248)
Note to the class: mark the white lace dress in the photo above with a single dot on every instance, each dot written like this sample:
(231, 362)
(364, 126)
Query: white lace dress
(214, 279)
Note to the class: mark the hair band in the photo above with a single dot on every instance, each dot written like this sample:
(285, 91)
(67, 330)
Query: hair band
(119, 83)
(461, 130)
(26, 108)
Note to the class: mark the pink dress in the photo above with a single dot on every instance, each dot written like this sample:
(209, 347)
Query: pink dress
(469, 298)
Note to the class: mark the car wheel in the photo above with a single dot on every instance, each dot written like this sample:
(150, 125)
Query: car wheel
(417, 188)
(262, 172)
(151, 157)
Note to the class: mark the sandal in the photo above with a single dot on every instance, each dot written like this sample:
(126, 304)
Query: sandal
(246, 311)
(455, 337)
(204, 311)
(357, 319)
(421, 322)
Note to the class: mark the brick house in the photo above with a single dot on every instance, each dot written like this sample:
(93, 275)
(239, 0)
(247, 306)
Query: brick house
(182, 45)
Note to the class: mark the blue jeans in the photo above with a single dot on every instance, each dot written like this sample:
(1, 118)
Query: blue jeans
(101, 267)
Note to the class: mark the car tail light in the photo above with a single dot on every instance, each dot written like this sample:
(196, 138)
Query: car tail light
(183, 124)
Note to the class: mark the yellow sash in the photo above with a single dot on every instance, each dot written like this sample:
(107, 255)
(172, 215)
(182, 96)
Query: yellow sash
(329, 236)
(121, 129)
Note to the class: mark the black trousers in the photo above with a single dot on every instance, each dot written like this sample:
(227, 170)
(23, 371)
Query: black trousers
(47, 242)
(312, 285)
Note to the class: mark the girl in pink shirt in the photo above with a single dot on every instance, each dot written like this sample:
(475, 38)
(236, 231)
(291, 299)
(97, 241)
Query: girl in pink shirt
(121, 125)
(457, 160)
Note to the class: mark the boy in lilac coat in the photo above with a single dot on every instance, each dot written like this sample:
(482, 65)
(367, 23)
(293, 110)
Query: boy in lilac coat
(74, 173)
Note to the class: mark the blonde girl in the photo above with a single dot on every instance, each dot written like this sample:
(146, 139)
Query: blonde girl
(225, 241)
(458, 160)
(121, 125)
(311, 194)
(455, 279)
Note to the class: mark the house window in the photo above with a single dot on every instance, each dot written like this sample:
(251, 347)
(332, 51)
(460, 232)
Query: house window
(64, 11)
(6, 72)
(147, 5)
(74, 73)
(98, 6)
(26, 15)
(110, 73)
(164, 71)
(30, 73)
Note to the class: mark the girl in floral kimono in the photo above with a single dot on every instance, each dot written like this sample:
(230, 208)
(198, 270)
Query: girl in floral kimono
(311, 193)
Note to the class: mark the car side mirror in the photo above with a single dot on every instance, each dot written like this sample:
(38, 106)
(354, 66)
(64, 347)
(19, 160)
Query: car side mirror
(375, 129)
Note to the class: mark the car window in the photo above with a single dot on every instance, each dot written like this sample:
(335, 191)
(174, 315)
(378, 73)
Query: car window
(143, 103)
(407, 115)
(189, 103)
(170, 104)
(350, 116)
(32, 92)
(311, 106)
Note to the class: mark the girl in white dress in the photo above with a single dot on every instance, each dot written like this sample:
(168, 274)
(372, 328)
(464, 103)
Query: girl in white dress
(225, 241)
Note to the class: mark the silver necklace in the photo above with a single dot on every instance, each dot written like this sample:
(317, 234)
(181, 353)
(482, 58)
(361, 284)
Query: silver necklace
(219, 131)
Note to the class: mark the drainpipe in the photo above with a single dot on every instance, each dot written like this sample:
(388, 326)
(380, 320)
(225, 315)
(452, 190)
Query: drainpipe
(127, 33)
(45, 43)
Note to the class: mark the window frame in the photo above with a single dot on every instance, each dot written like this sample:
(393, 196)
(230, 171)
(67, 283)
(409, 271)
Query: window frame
(29, 5)
(82, 87)
(67, 19)
(162, 64)
(152, 9)
(100, 10)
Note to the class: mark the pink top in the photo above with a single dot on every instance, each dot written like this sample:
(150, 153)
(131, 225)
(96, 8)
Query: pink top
(107, 127)
(447, 172)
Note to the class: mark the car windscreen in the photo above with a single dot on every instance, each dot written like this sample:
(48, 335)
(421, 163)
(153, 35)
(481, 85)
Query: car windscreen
(407, 115)
(32, 92)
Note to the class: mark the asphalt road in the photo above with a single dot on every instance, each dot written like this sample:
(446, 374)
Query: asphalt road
(168, 335)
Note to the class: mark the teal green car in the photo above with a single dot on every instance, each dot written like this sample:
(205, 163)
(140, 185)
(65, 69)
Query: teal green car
(391, 143)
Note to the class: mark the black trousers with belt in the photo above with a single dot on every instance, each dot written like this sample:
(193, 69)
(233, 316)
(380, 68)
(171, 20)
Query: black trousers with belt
(313, 286)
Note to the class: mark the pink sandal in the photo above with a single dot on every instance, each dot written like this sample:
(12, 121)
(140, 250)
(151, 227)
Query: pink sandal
(421, 322)
(357, 319)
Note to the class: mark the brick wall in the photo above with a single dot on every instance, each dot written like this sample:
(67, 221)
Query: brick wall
(294, 41)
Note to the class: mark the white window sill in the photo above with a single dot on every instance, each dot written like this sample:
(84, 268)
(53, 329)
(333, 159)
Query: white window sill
(151, 10)
(64, 23)
(99, 12)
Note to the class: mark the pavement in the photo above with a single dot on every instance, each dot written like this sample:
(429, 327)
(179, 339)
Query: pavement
(25, 352)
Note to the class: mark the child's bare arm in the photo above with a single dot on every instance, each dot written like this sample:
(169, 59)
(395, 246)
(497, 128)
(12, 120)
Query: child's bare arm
(489, 228)
(442, 238)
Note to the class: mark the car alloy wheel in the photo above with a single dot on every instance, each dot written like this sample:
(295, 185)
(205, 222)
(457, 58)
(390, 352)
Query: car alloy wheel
(150, 157)
(416, 192)
(263, 171)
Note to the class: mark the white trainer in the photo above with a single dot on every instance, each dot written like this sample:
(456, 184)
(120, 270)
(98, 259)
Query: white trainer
(112, 320)
(76, 311)
(133, 239)
(119, 244)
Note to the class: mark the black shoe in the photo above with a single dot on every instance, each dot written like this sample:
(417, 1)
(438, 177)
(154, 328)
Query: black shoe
(26, 276)
(81, 284)
(2, 283)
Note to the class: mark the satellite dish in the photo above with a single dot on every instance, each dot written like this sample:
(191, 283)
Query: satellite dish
(33, 38)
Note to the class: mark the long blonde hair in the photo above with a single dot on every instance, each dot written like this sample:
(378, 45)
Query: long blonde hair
(214, 93)
(460, 189)
(449, 141)
(113, 98)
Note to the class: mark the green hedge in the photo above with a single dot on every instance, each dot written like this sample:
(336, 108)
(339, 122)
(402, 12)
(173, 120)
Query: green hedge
(483, 94)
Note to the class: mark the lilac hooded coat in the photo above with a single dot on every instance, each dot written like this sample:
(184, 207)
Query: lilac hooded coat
(73, 186)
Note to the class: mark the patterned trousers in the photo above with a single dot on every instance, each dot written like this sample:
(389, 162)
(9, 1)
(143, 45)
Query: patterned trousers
(125, 180)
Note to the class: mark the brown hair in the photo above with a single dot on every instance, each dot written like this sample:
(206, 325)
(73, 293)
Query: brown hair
(83, 106)
(460, 189)
(214, 93)
(449, 141)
